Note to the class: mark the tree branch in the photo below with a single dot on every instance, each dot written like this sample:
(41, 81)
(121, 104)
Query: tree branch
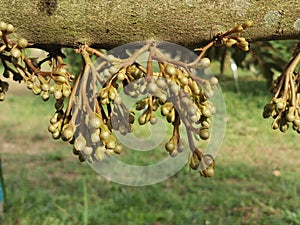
(106, 24)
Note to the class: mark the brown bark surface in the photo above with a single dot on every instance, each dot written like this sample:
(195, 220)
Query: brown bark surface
(109, 23)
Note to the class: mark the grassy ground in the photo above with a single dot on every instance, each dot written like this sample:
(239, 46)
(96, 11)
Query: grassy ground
(257, 179)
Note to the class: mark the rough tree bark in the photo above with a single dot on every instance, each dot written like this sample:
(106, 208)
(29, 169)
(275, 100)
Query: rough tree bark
(109, 23)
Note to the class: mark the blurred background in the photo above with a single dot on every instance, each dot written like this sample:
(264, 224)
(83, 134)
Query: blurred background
(257, 178)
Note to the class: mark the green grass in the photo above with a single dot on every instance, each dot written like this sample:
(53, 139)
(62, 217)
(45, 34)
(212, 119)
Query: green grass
(47, 185)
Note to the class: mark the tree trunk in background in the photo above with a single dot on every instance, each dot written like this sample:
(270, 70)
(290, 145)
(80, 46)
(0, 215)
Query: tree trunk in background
(109, 23)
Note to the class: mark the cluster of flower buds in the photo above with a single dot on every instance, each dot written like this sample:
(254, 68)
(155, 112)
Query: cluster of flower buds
(205, 163)
(11, 55)
(237, 40)
(284, 107)
(56, 82)
(172, 90)
(95, 111)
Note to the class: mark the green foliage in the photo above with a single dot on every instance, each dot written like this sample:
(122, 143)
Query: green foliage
(73, 60)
